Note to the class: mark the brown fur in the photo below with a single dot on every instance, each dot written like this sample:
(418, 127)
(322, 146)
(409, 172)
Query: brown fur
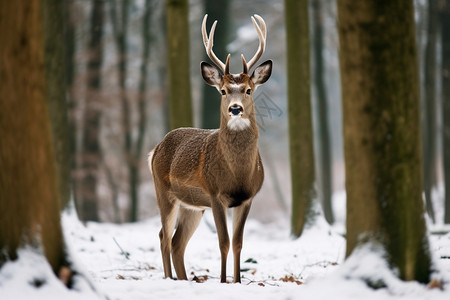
(195, 168)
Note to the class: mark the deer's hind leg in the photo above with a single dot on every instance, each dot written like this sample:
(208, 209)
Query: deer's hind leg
(187, 223)
(168, 209)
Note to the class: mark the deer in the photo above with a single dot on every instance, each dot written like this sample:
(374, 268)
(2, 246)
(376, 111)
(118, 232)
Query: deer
(195, 169)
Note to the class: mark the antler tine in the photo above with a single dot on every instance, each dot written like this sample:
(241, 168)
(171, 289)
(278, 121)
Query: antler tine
(209, 42)
(244, 64)
(263, 25)
(262, 33)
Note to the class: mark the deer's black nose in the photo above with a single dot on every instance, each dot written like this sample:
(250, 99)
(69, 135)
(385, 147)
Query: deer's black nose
(235, 109)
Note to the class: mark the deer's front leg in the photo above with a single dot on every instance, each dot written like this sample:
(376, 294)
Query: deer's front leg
(220, 218)
(240, 214)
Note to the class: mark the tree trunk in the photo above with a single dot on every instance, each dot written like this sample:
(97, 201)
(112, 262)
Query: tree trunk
(137, 144)
(70, 67)
(445, 31)
(56, 92)
(324, 132)
(381, 132)
(300, 119)
(29, 196)
(178, 55)
(429, 122)
(216, 10)
(90, 151)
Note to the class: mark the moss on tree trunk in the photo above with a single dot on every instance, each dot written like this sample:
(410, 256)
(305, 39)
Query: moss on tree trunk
(300, 119)
(178, 55)
(381, 132)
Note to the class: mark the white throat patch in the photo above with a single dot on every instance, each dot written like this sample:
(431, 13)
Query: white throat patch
(238, 123)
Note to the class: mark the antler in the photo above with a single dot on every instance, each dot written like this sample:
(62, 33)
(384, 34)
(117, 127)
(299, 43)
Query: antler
(262, 33)
(209, 42)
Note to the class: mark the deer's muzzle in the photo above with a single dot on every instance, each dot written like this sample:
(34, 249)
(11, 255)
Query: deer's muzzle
(235, 110)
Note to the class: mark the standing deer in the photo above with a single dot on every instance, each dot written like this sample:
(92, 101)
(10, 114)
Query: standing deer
(194, 169)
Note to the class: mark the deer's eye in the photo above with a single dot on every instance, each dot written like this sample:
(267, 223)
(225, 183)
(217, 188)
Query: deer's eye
(223, 92)
(249, 91)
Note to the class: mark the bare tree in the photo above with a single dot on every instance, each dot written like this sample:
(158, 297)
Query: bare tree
(325, 163)
(300, 116)
(430, 102)
(178, 60)
(30, 200)
(445, 38)
(87, 200)
(379, 76)
(133, 144)
(56, 92)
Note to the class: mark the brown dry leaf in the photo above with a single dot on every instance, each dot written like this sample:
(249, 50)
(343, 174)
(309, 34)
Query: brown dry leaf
(435, 284)
(65, 275)
(253, 272)
(148, 267)
(291, 279)
(120, 277)
(200, 279)
(261, 284)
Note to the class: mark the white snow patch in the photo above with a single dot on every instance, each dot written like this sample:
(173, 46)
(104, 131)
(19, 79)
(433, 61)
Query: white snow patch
(31, 277)
(269, 254)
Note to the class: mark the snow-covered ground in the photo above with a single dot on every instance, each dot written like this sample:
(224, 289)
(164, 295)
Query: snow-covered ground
(123, 262)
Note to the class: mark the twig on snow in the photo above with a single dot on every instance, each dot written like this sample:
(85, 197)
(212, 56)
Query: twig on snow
(126, 254)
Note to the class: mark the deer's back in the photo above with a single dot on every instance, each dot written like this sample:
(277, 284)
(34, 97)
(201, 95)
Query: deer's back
(179, 153)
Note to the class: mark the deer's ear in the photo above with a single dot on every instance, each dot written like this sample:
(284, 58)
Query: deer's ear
(211, 74)
(262, 73)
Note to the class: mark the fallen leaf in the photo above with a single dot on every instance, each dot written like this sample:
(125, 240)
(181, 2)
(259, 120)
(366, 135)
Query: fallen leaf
(435, 284)
(291, 278)
(200, 279)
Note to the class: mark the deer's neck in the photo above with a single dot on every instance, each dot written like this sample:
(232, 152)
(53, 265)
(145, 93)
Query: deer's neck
(240, 147)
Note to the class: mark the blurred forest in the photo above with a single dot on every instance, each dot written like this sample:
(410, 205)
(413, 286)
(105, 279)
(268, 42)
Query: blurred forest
(117, 79)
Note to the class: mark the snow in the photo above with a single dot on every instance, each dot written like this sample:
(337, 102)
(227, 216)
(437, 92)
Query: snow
(123, 262)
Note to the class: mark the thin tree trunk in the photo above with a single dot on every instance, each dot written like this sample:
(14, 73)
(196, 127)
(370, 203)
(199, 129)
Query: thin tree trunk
(29, 195)
(70, 67)
(56, 92)
(120, 29)
(324, 132)
(178, 56)
(90, 151)
(300, 119)
(429, 135)
(382, 134)
(135, 159)
(114, 192)
(445, 38)
(216, 10)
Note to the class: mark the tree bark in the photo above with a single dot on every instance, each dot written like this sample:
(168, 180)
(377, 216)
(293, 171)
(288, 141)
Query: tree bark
(137, 144)
(178, 55)
(300, 118)
(325, 162)
(445, 38)
(70, 71)
(90, 150)
(381, 132)
(56, 92)
(29, 197)
(429, 122)
(216, 10)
